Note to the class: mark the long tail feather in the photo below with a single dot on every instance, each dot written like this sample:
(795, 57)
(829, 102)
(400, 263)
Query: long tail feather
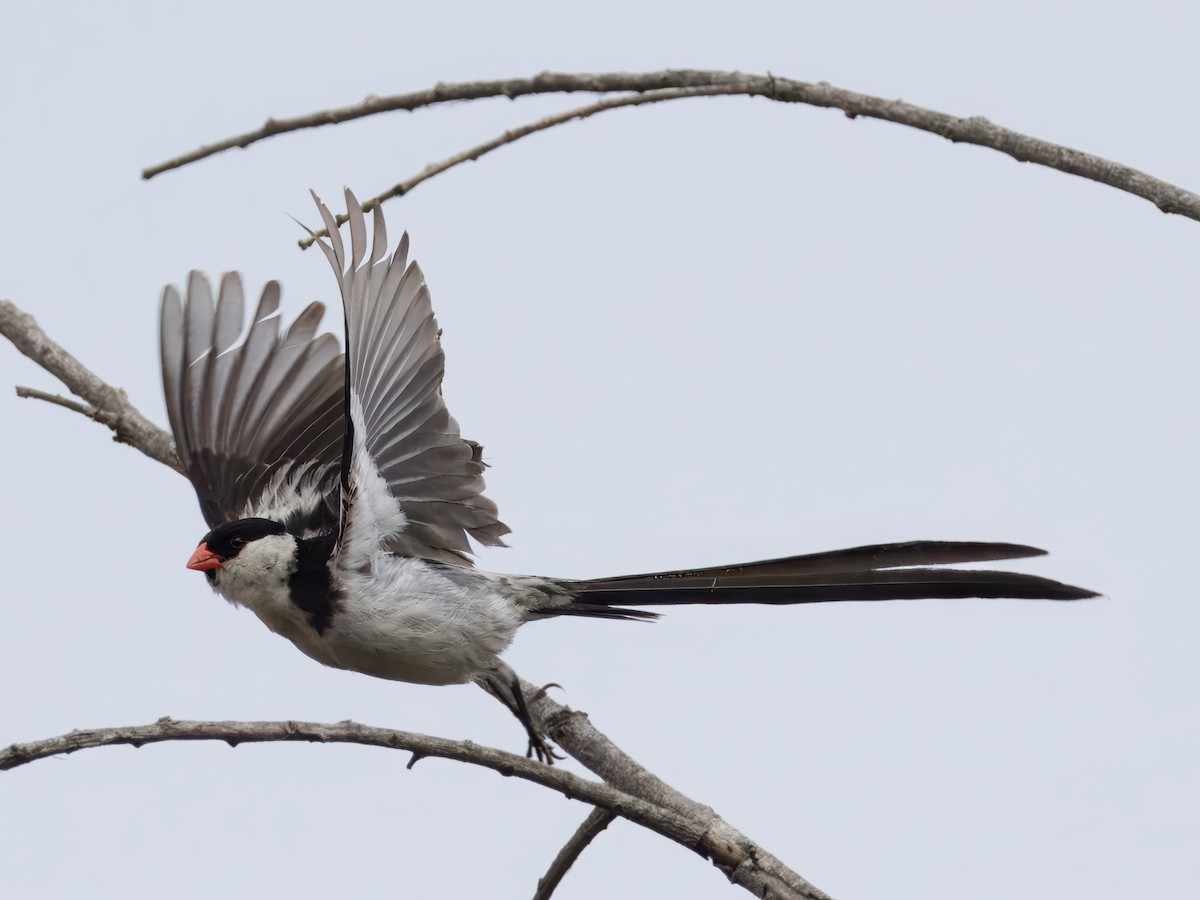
(879, 572)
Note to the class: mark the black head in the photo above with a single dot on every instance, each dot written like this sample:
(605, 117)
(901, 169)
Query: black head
(226, 541)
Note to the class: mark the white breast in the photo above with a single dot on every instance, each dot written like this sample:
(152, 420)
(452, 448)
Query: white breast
(404, 621)
(257, 578)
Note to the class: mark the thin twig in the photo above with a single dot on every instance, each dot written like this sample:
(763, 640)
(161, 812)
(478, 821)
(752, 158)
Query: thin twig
(109, 405)
(545, 83)
(515, 134)
(29, 393)
(597, 820)
(971, 130)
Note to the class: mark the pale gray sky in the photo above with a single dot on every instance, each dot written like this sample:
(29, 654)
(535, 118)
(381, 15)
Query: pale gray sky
(711, 332)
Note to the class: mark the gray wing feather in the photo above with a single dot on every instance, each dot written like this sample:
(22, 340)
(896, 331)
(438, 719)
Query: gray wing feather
(258, 424)
(396, 366)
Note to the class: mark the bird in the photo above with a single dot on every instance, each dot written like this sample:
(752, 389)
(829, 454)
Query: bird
(342, 499)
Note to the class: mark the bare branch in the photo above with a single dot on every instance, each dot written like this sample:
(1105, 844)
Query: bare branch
(110, 406)
(597, 820)
(545, 83)
(665, 822)
(743, 861)
(971, 130)
(515, 134)
(668, 823)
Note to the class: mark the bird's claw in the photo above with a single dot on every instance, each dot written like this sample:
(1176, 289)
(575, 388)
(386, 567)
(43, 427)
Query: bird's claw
(542, 749)
(545, 687)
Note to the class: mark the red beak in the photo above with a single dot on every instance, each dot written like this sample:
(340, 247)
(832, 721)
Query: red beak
(204, 559)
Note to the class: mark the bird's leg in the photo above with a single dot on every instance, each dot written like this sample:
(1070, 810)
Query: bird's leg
(537, 743)
(505, 686)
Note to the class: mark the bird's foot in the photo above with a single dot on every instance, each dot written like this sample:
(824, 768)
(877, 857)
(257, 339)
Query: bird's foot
(506, 688)
(541, 748)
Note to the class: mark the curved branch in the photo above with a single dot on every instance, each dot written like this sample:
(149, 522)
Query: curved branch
(515, 134)
(597, 820)
(545, 83)
(666, 822)
(109, 405)
(970, 130)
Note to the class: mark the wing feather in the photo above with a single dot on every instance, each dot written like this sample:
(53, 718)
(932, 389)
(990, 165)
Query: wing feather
(171, 327)
(412, 484)
(261, 418)
(258, 424)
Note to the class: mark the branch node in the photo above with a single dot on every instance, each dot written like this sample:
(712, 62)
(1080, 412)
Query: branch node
(102, 402)
(562, 718)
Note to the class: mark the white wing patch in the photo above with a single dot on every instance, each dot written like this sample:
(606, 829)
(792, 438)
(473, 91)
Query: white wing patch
(373, 515)
(296, 493)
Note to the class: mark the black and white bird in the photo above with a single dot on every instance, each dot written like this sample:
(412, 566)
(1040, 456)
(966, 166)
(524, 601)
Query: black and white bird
(341, 496)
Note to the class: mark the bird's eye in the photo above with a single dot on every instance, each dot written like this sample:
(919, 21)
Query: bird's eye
(237, 543)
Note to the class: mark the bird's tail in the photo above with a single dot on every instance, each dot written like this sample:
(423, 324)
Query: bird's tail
(879, 572)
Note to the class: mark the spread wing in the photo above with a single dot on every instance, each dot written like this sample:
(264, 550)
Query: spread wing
(411, 483)
(258, 423)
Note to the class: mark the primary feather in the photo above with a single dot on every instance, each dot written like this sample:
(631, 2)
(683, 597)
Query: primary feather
(399, 425)
(251, 419)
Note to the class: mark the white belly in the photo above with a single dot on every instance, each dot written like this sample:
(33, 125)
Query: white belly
(408, 623)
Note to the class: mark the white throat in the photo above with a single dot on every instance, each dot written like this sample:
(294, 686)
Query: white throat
(257, 578)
